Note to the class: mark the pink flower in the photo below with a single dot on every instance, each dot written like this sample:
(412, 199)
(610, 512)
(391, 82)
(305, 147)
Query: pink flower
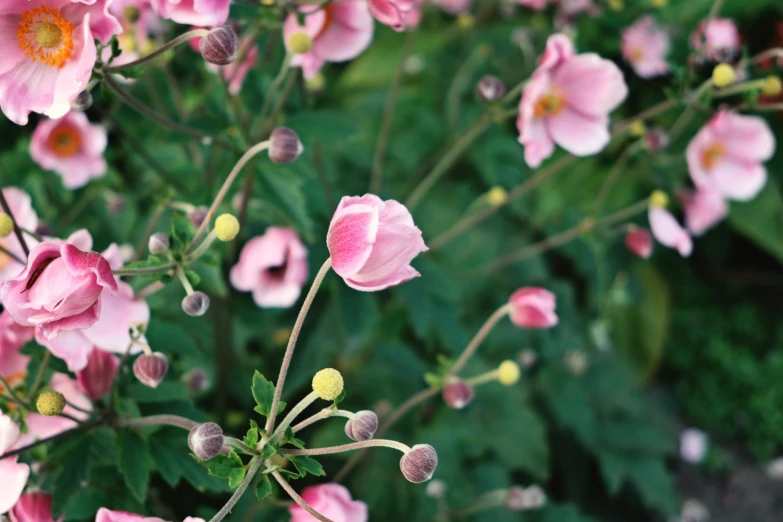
(332, 501)
(273, 267)
(717, 39)
(71, 146)
(397, 14)
(645, 46)
(538, 5)
(668, 232)
(34, 507)
(48, 53)
(193, 12)
(639, 241)
(372, 242)
(22, 210)
(340, 31)
(532, 307)
(40, 426)
(727, 153)
(106, 515)
(14, 475)
(568, 101)
(97, 378)
(12, 335)
(693, 445)
(704, 209)
(454, 6)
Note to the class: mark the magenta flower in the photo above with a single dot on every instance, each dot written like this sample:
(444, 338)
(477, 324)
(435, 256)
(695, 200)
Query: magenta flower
(207, 13)
(717, 39)
(567, 102)
(727, 153)
(645, 46)
(48, 53)
(372, 242)
(97, 378)
(341, 31)
(25, 216)
(14, 475)
(72, 147)
(704, 208)
(668, 232)
(332, 501)
(397, 14)
(273, 267)
(533, 307)
(34, 507)
(639, 241)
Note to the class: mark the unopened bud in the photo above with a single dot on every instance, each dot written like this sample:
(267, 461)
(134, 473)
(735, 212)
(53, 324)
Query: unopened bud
(436, 488)
(637, 128)
(158, 243)
(196, 304)
(82, 102)
(419, 463)
(490, 88)
(656, 139)
(50, 403)
(6, 225)
(150, 369)
(226, 227)
(328, 384)
(772, 86)
(220, 46)
(97, 378)
(284, 145)
(197, 380)
(723, 75)
(206, 440)
(659, 199)
(300, 42)
(198, 215)
(522, 499)
(363, 426)
(457, 394)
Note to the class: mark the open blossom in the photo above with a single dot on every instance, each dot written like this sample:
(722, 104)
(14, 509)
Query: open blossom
(397, 14)
(533, 308)
(48, 53)
(372, 242)
(71, 146)
(14, 475)
(717, 39)
(34, 507)
(645, 46)
(727, 153)
(704, 208)
(340, 31)
(193, 12)
(567, 102)
(273, 267)
(22, 209)
(12, 335)
(668, 232)
(639, 241)
(332, 501)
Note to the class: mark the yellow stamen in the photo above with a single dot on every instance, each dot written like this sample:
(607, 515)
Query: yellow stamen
(45, 36)
(550, 104)
(711, 155)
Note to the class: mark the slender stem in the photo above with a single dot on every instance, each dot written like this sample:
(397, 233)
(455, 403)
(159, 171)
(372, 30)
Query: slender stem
(148, 290)
(458, 85)
(292, 415)
(33, 234)
(255, 464)
(184, 280)
(474, 343)
(765, 55)
(289, 85)
(46, 440)
(372, 443)
(10, 254)
(489, 500)
(155, 420)
(144, 271)
(388, 115)
(646, 114)
(17, 230)
(611, 178)
(142, 246)
(246, 157)
(289, 351)
(299, 500)
(270, 94)
(195, 33)
(491, 375)
(231, 441)
(77, 408)
(513, 93)
(39, 377)
(204, 246)
(11, 393)
(321, 415)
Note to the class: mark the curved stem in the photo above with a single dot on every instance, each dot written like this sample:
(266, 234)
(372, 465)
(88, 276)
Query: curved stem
(204, 246)
(321, 415)
(255, 464)
(474, 343)
(646, 114)
(491, 375)
(148, 290)
(143, 243)
(372, 443)
(14, 397)
(195, 33)
(289, 351)
(143, 271)
(184, 280)
(155, 420)
(77, 408)
(270, 94)
(231, 441)
(17, 230)
(299, 500)
(5, 251)
(293, 414)
(611, 178)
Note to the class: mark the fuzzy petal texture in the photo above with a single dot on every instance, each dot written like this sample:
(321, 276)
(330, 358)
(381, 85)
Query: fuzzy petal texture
(533, 308)
(331, 500)
(668, 232)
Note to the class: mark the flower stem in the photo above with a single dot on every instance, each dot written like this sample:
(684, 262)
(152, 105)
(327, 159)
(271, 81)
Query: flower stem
(184, 280)
(204, 246)
(144, 271)
(292, 415)
(142, 246)
(299, 500)
(289, 351)
(270, 94)
(10, 254)
(17, 230)
(491, 375)
(611, 178)
(41, 442)
(39, 377)
(255, 464)
(155, 420)
(195, 33)
(372, 443)
(321, 415)
(13, 396)
(474, 343)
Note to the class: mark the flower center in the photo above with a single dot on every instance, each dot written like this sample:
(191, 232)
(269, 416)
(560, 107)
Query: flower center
(550, 104)
(64, 140)
(636, 54)
(711, 155)
(45, 36)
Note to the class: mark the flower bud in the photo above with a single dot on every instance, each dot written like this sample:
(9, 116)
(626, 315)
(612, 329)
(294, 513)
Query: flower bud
(226, 227)
(637, 129)
(522, 499)
(497, 196)
(206, 440)
(490, 88)
(284, 145)
(656, 139)
(419, 463)
(32, 507)
(6, 224)
(50, 403)
(150, 369)
(328, 384)
(457, 394)
(82, 102)
(158, 243)
(772, 86)
(97, 378)
(508, 373)
(723, 75)
(196, 304)
(363, 426)
(220, 46)
(300, 42)
(197, 380)
(659, 199)
(198, 215)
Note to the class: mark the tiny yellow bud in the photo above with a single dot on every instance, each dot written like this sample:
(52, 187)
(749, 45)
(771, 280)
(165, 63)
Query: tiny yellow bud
(300, 42)
(723, 75)
(772, 86)
(50, 403)
(226, 227)
(6, 225)
(508, 373)
(616, 5)
(465, 21)
(659, 3)
(328, 384)
(638, 129)
(316, 83)
(659, 199)
(496, 196)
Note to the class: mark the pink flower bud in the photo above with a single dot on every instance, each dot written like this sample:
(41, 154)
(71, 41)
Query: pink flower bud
(220, 46)
(198, 380)
(196, 304)
(33, 507)
(490, 88)
(284, 146)
(362, 426)
(419, 463)
(533, 308)
(693, 445)
(458, 394)
(206, 440)
(158, 243)
(656, 139)
(198, 215)
(97, 378)
(639, 241)
(151, 369)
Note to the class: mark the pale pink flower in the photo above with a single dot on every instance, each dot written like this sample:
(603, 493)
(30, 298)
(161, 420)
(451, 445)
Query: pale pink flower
(717, 39)
(568, 101)
(454, 6)
(372, 242)
(207, 13)
(48, 53)
(341, 31)
(273, 267)
(668, 232)
(532, 307)
(34, 507)
(727, 153)
(538, 5)
(645, 46)
(97, 378)
(397, 14)
(106, 515)
(72, 147)
(22, 209)
(332, 501)
(704, 208)
(639, 241)
(693, 445)
(14, 475)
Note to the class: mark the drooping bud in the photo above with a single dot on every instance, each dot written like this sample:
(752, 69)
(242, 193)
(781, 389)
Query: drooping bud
(284, 145)
(97, 378)
(150, 369)
(328, 384)
(158, 243)
(490, 88)
(300, 42)
(206, 440)
(32, 507)
(363, 426)
(50, 403)
(6, 224)
(196, 304)
(220, 46)
(198, 215)
(458, 394)
(419, 463)
(723, 75)
(82, 102)
(522, 499)
(226, 227)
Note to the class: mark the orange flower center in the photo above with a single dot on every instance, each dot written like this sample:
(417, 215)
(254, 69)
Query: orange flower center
(45, 36)
(711, 155)
(64, 140)
(550, 104)
(636, 54)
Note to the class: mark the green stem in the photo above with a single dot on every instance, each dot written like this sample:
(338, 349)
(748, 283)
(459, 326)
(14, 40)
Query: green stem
(292, 415)
(299, 500)
(195, 33)
(474, 343)
(144, 271)
(255, 464)
(372, 443)
(39, 377)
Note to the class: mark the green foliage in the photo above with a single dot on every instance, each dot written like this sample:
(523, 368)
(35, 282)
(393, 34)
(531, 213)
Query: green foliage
(263, 393)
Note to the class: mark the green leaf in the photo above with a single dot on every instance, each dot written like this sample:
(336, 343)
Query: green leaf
(228, 467)
(73, 470)
(193, 278)
(289, 438)
(181, 230)
(761, 220)
(268, 451)
(134, 462)
(305, 465)
(251, 439)
(263, 488)
(263, 393)
(174, 464)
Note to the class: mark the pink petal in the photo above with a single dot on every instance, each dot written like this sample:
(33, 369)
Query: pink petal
(402, 275)
(9, 433)
(592, 85)
(14, 480)
(668, 232)
(119, 314)
(351, 235)
(394, 248)
(83, 263)
(578, 133)
(349, 34)
(69, 345)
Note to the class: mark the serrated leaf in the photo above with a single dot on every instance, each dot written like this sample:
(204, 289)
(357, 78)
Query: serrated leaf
(134, 462)
(305, 465)
(263, 393)
(268, 451)
(193, 278)
(263, 488)
(251, 438)
(181, 230)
